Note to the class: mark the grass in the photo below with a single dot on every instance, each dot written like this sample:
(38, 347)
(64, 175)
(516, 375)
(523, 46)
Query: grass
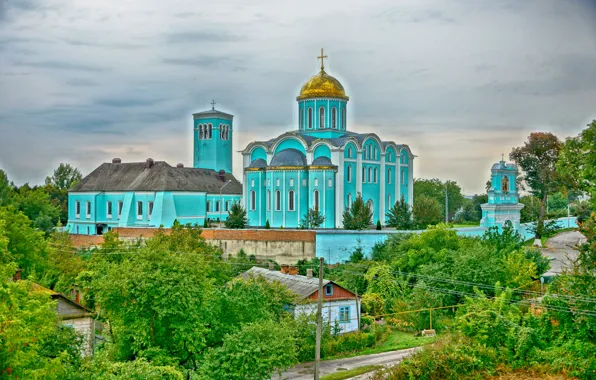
(341, 375)
(396, 340)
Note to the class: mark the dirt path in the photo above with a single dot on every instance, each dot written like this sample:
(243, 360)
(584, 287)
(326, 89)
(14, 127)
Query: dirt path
(560, 249)
(305, 371)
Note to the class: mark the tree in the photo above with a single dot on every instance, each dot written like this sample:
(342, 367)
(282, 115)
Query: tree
(531, 210)
(399, 216)
(358, 216)
(267, 225)
(435, 189)
(312, 219)
(6, 189)
(237, 217)
(64, 177)
(538, 158)
(468, 213)
(427, 212)
(36, 204)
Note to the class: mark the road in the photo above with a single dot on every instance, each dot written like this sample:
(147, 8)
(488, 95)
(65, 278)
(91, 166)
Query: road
(305, 371)
(560, 249)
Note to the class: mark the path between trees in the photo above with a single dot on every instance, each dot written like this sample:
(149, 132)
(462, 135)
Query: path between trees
(560, 249)
(304, 371)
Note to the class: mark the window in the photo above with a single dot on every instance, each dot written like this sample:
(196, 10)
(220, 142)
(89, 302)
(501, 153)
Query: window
(321, 118)
(389, 176)
(350, 152)
(376, 176)
(389, 205)
(252, 183)
(268, 200)
(330, 182)
(217, 206)
(208, 206)
(291, 200)
(227, 206)
(365, 153)
(316, 200)
(304, 182)
(120, 204)
(329, 289)
(349, 173)
(150, 208)
(343, 118)
(344, 314)
(370, 174)
(349, 200)
(88, 209)
(109, 209)
(316, 182)
(253, 201)
(139, 210)
(309, 117)
(364, 174)
(277, 182)
(333, 117)
(301, 125)
(78, 209)
(268, 181)
(210, 131)
(375, 153)
(403, 177)
(291, 181)
(277, 200)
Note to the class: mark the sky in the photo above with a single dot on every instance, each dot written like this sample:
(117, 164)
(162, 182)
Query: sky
(460, 81)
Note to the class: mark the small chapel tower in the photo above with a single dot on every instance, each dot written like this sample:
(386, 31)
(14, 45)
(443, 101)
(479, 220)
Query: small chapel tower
(503, 205)
(212, 140)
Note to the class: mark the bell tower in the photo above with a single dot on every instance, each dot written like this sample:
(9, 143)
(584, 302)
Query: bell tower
(503, 205)
(212, 137)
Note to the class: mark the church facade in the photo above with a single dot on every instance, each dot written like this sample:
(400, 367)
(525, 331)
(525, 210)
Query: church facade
(503, 207)
(322, 165)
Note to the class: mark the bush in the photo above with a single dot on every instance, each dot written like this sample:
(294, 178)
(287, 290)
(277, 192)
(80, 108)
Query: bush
(379, 226)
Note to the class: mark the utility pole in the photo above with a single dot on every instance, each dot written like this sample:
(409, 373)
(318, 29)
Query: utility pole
(319, 320)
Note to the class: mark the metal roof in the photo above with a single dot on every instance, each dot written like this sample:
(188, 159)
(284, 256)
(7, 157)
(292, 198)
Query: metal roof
(302, 286)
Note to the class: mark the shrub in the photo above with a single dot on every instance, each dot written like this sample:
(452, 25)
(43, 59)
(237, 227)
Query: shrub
(267, 225)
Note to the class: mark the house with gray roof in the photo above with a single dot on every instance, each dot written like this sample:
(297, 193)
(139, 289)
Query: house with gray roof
(340, 305)
(149, 194)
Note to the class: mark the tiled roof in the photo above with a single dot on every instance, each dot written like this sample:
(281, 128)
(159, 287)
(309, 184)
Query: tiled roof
(302, 286)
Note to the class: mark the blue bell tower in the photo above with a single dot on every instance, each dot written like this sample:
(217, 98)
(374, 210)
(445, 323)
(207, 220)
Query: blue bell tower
(212, 136)
(503, 207)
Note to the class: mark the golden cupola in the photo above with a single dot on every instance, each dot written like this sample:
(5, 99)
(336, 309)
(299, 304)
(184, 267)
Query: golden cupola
(322, 85)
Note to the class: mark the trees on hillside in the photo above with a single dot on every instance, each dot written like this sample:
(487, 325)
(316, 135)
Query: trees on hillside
(537, 158)
(435, 189)
(400, 216)
(358, 216)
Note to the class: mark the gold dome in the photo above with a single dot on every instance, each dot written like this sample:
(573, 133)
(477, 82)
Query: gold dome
(322, 85)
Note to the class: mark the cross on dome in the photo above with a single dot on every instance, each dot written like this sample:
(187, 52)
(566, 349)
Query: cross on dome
(213, 105)
(322, 57)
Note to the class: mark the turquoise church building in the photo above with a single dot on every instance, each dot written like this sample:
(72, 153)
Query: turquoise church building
(322, 165)
(154, 193)
(503, 207)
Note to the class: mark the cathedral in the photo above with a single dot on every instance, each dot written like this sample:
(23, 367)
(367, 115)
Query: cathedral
(322, 165)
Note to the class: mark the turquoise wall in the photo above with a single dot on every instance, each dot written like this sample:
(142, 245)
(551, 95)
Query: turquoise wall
(328, 105)
(322, 151)
(258, 153)
(290, 143)
(213, 153)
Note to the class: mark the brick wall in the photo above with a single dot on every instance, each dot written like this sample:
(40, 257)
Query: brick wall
(84, 241)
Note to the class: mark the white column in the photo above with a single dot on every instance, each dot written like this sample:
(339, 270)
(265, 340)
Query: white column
(358, 173)
(382, 190)
(260, 187)
(338, 159)
(298, 191)
(397, 182)
(283, 199)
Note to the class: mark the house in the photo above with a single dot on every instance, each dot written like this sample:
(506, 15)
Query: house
(149, 194)
(340, 306)
(73, 314)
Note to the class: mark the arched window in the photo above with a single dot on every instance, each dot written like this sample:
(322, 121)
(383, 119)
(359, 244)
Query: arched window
(376, 176)
(370, 174)
(343, 118)
(268, 200)
(301, 120)
(349, 173)
(350, 152)
(216, 206)
(277, 201)
(333, 118)
(321, 118)
(389, 176)
(316, 200)
(316, 182)
(364, 174)
(375, 153)
(309, 117)
(210, 131)
(389, 205)
(253, 200)
(221, 132)
(403, 177)
(291, 200)
(349, 200)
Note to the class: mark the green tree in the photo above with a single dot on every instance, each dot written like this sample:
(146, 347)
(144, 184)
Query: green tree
(379, 225)
(400, 216)
(313, 219)
(435, 189)
(237, 217)
(358, 216)
(467, 214)
(65, 176)
(538, 158)
(36, 204)
(256, 352)
(6, 189)
(531, 210)
(427, 211)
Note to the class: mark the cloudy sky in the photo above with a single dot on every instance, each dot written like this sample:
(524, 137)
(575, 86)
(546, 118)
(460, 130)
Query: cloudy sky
(82, 81)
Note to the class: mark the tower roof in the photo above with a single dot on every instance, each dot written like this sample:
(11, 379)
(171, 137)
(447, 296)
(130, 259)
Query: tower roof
(212, 114)
(322, 85)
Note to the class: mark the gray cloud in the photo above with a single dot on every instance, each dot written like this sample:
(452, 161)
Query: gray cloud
(202, 37)
(61, 65)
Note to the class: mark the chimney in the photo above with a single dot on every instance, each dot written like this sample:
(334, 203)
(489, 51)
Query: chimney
(285, 269)
(293, 270)
(17, 275)
(222, 175)
(116, 160)
(180, 165)
(271, 266)
(149, 163)
(309, 273)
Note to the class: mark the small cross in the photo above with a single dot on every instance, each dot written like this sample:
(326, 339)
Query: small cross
(502, 156)
(322, 57)
(213, 105)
